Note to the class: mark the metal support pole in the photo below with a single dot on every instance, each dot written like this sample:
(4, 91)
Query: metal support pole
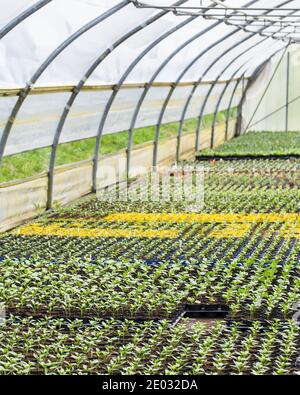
(219, 103)
(287, 92)
(26, 91)
(243, 94)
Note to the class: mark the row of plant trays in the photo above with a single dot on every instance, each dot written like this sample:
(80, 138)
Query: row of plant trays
(114, 347)
(54, 247)
(210, 158)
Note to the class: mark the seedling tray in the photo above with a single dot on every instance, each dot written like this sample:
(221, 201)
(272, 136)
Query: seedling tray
(204, 158)
(213, 311)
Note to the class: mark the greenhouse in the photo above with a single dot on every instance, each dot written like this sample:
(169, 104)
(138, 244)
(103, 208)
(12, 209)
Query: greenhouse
(149, 197)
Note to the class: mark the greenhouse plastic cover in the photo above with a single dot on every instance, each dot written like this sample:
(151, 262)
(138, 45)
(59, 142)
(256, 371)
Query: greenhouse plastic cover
(224, 52)
(277, 107)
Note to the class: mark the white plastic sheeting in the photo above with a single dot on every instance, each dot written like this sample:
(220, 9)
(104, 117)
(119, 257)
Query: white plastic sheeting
(26, 47)
(39, 115)
(272, 102)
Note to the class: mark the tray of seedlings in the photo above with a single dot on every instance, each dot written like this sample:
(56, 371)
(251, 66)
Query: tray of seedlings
(51, 346)
(256, 146)
(136, 290)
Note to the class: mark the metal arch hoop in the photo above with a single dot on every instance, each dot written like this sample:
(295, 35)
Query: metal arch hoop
(229, 108)
(25, 92)
(149, 84)
(21, 17)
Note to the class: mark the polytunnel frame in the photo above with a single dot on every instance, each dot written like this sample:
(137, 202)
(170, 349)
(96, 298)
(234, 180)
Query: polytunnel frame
(29, 86)
(240, 106)
(149, 84)
(78, 89)
(190, 97)
(207, 96)
(80, 85)
(234, 90)
(218, 102)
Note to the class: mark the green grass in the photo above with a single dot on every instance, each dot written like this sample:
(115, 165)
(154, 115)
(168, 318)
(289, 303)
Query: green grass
(31, 163)
(258, 144)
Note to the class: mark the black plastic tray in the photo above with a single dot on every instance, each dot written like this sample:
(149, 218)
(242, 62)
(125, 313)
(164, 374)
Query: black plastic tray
(245, 157)
(213, 311)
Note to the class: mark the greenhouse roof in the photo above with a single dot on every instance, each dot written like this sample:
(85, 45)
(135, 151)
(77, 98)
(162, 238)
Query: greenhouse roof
(50, 42)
